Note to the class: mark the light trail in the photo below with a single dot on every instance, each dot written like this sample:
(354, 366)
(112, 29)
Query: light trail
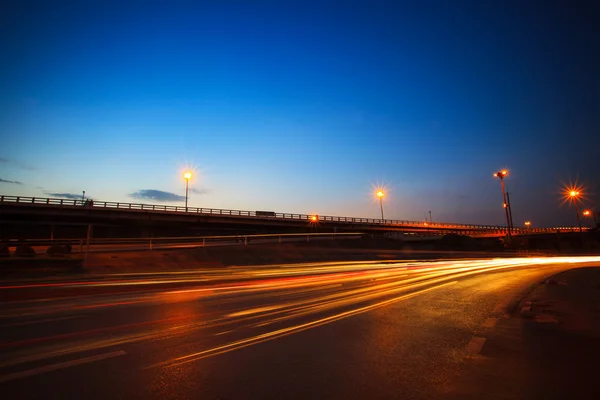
(289, 330)
(289, 300)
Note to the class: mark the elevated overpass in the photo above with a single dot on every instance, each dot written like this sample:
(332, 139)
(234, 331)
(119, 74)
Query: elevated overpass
(52, 217)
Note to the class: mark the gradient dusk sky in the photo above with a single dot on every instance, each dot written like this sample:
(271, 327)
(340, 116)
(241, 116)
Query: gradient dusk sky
(299, 106)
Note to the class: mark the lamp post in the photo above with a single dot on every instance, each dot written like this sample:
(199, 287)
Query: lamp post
(509, 206)
(380, 194)
(574, 195)
(187, 176)
(527, 225)
(501, 175)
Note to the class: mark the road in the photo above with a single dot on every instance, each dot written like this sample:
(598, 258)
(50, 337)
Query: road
(329, 330)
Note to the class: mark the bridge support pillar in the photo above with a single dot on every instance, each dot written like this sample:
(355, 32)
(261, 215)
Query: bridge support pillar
(52, 232)
(87, 244)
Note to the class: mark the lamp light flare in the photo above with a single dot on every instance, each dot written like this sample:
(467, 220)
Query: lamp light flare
(187, 175)
(501, 174)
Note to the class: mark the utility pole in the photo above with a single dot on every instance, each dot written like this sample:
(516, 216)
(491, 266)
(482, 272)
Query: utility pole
(509, 212)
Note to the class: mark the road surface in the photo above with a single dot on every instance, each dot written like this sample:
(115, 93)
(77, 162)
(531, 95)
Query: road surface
(330, 330)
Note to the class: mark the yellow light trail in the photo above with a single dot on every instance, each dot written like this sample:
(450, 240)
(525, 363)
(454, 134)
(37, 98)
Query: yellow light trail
(309, 290)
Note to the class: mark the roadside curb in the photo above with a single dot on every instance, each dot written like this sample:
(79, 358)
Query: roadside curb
(516, 307)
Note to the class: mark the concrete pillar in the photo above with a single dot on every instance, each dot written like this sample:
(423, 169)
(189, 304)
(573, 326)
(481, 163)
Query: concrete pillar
(87, 243)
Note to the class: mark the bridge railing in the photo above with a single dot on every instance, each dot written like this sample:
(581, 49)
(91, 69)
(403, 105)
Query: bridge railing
(253, 214)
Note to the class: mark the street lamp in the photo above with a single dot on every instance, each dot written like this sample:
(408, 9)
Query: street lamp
(501, 175)
(574, 195)
(187, 176)
(527, 224)
(380, 194)
(587, 213)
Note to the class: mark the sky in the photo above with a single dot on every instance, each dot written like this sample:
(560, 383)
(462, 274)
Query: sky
(305, 107)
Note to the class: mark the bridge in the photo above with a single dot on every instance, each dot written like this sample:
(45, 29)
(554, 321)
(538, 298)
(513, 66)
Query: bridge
(53, 218)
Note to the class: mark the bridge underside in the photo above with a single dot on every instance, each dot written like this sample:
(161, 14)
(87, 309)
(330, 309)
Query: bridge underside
(42, 221)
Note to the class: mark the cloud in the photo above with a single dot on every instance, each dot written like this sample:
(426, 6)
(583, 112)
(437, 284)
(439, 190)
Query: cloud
(156, 195)
(70, 196)
(7, 181)
(199, 191)
(18, 164)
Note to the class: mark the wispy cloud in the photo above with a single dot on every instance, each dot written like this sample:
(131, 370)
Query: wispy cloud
(18, 164)
(156, 195)
(13, 182)
(70, 196)
(199, 191)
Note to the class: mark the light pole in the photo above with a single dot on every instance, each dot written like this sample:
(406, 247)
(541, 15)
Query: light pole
(187, 176)
(380, 194)
(574, 195)
(512, 225)
(527, 225)
(501, 175)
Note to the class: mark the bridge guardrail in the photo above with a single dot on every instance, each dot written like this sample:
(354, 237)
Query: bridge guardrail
(252, 214)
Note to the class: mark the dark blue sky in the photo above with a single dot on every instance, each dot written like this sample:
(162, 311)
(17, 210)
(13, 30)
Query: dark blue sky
(305, 107)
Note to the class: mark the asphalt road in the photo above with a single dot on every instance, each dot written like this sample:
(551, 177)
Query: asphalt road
(331, 330)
